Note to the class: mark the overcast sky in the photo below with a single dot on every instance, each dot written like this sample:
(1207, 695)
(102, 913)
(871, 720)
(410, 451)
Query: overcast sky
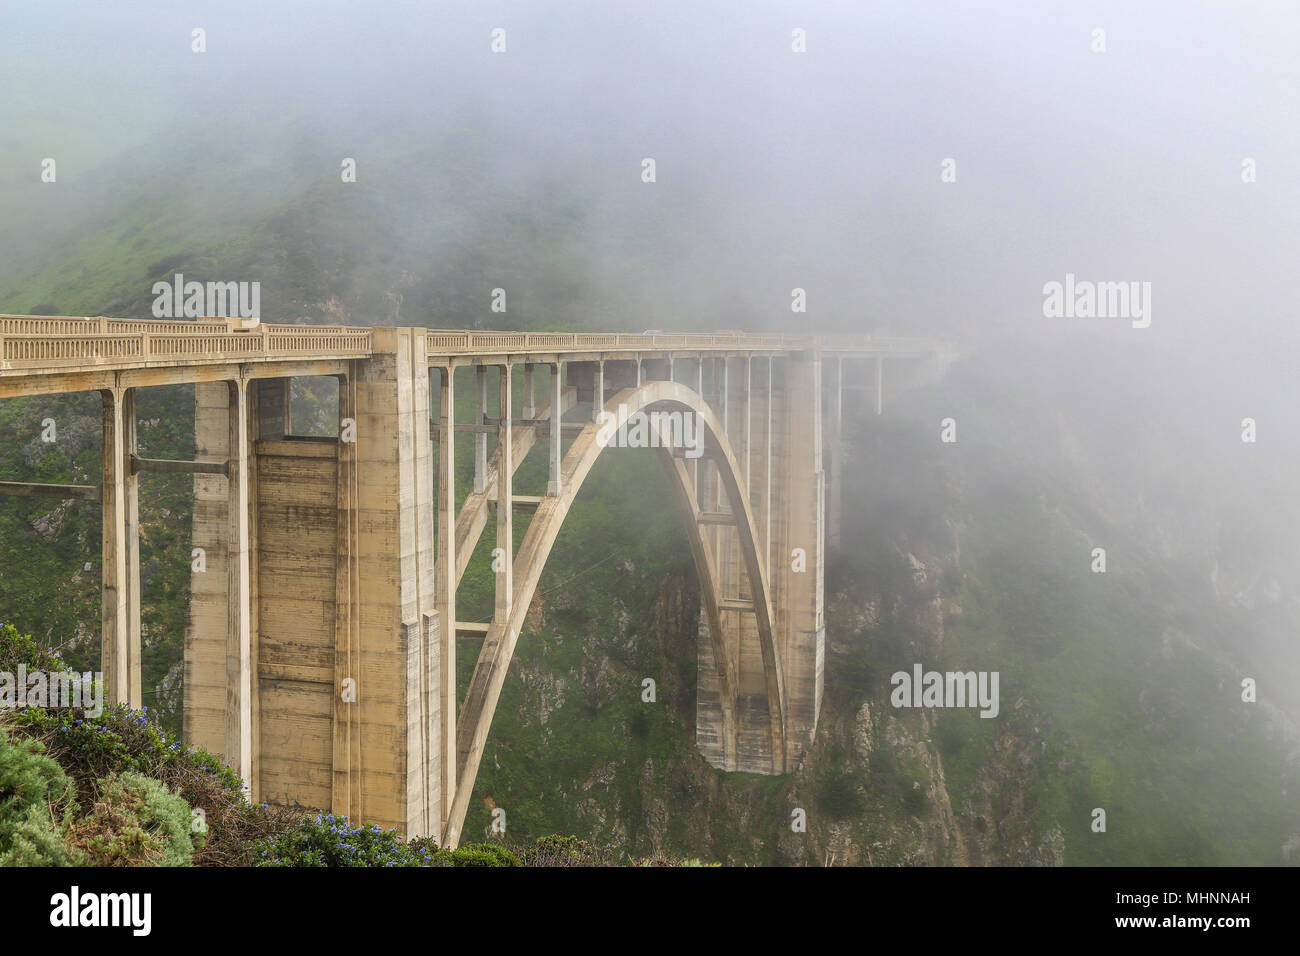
(775, 169)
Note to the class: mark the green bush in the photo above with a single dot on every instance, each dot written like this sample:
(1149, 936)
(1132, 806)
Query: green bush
(478, 854)
(118, 740)
(136, 822)
(328, 840)
(37, 841)
(30, 785)
(121, 740)
(22, 649)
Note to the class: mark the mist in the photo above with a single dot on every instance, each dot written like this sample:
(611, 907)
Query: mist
(917, 168)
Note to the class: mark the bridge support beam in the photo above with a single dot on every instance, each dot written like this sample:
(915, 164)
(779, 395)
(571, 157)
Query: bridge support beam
(320, 572)
(446, 587)
(505, 549)
(529, 409)
(799, 548)
(119, 494)
(554, 485)
(238, 748)
(835, 441)
(767, 468)
(398, 635)
(752, 746)
(220, 711)
(880, 384)
(787, 499)
(205, 635)
(480, 438)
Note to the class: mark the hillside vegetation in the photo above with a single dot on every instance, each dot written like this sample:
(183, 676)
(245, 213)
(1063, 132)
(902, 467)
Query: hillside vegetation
(1119, 690)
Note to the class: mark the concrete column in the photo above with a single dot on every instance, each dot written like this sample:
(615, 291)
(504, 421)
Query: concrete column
(529, 409)
(120, 606)
(446, 583)
(554, 484)
(239, 650)
(505, 506)
(422, 628)
(802, 502)
(598, 393)
(395, 585)
(205, 633)
(721, 387)
(695, 465)
(767, 478)
(835, 437)
(749, 416)
(346, 759)
(880, 384)
(132, 502)
(480, 438)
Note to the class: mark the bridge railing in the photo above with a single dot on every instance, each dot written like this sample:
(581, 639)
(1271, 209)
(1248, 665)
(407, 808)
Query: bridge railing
(871, 343)
(42, 343)
(91, 325)
(440, 342)
(52, 341)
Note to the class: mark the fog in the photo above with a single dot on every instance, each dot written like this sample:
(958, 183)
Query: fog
(774, 169)
(821, 170)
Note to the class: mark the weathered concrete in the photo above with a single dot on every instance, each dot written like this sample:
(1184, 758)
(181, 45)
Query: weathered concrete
(320, 656)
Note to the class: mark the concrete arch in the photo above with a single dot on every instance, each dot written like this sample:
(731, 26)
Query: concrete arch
(499, 644)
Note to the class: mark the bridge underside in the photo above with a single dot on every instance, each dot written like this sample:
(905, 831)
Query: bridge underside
(320, 655)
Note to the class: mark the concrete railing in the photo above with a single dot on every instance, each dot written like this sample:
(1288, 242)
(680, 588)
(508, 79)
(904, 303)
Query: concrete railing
(75, 325)
(53, 341)
(38, 342)
(451, 343)
(874, 343)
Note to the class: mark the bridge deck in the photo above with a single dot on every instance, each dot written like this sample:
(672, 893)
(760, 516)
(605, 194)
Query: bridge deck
(41, 344)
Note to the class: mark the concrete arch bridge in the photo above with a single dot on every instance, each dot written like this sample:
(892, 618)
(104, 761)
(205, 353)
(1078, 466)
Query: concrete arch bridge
(320, 656)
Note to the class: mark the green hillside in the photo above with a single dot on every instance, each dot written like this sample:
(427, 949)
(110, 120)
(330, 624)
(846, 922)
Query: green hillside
(1119, 690)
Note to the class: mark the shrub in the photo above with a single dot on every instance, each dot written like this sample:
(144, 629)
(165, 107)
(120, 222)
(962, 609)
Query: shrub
(37, 841)
(123, 740)
(478, 854)
(327, 840)
(31, 787)
(18, 649)
(556, 850)
(136, 822)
